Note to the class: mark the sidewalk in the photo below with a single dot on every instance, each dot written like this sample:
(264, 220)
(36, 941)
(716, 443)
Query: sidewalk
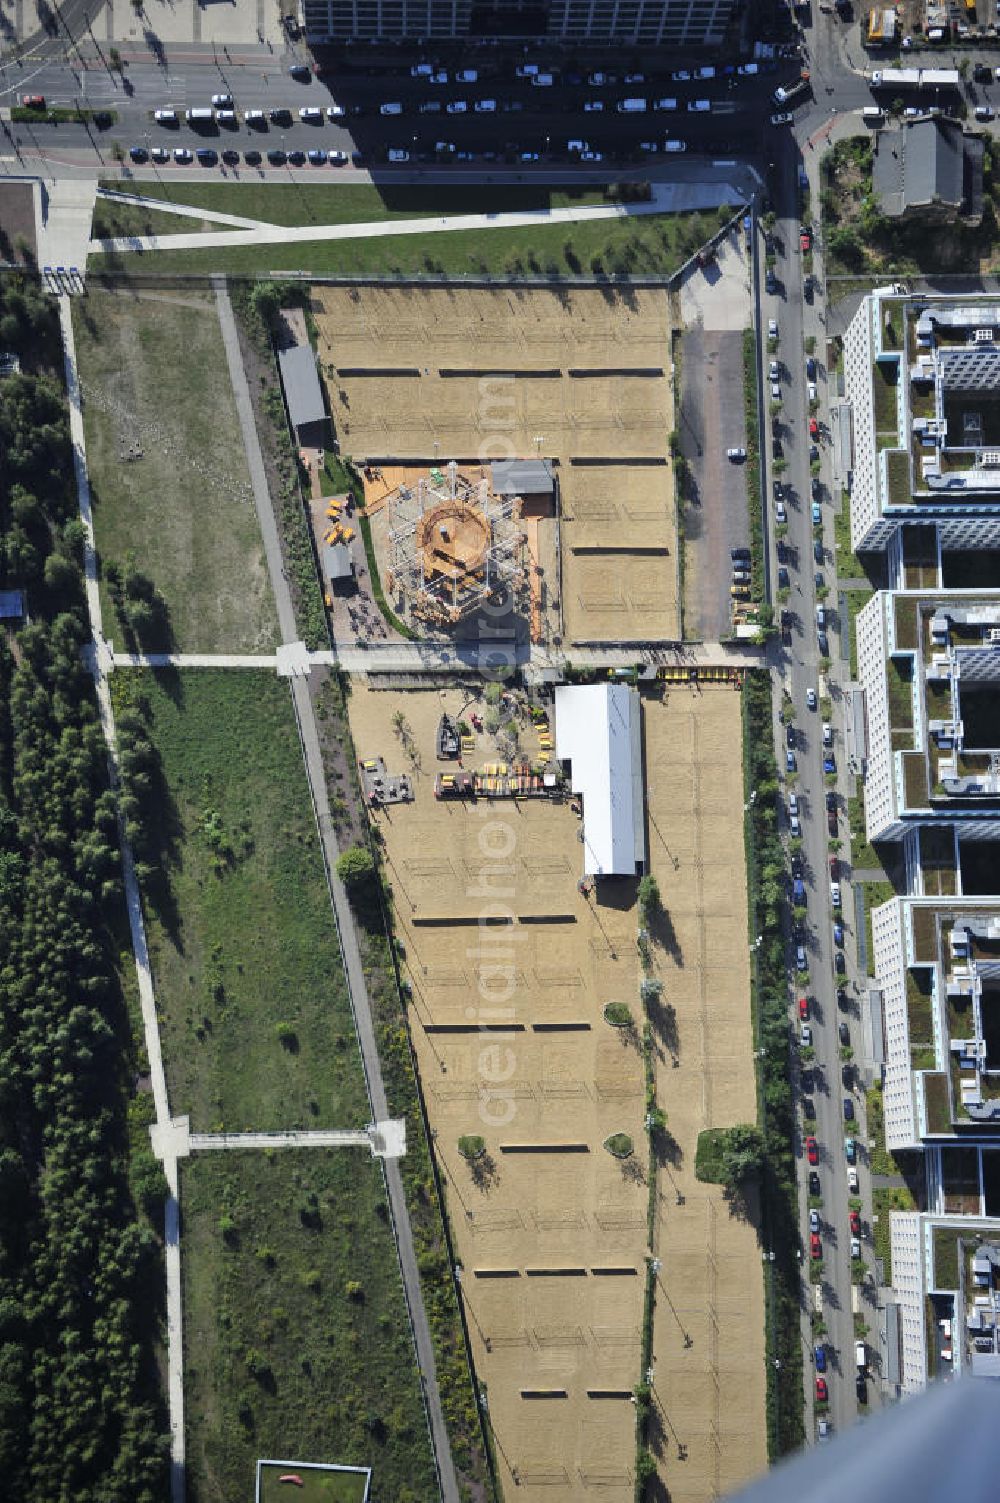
(668, 198)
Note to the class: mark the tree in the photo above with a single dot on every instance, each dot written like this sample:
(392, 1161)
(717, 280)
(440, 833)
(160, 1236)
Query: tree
(650, 902)
(743, 1155)
(356, 869)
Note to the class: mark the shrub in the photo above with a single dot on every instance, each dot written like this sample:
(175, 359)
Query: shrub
(618, 1015)
(472, 1146)
(356, 869)
(619, 1145)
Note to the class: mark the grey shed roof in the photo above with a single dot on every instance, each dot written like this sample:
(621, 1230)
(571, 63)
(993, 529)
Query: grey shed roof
(301, 382)
(921, 164)
(11, 605)
(337, 561)
(521, 477)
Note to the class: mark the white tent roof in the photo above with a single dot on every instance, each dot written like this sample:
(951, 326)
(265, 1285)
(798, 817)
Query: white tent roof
(598, 731)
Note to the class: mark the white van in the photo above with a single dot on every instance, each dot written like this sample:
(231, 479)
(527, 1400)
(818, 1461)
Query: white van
(664, 104)
(526, 70)
(543, 81)
(872, 115)
(256, 119)
(165, 117)
(631, 106)
(704, 72)
(485, 106)
(860, 1356)
(199, 117)
(699, 105)
(393, 108)
(675, 146)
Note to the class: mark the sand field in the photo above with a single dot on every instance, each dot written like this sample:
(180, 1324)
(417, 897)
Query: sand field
(382, 352)
(710, 1393)
(552, 1244)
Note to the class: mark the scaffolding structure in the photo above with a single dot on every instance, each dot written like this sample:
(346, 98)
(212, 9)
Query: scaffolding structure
(454, 545)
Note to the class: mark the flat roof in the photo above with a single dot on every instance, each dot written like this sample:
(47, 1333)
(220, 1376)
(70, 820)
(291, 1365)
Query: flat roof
(598, 731)
(337, 561)
(11, 605)
(521, 477)
(300, 379)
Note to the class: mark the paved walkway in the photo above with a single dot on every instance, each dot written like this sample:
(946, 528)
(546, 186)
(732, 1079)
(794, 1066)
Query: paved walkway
(193, 660)
(668, 198)
(64, 211)
(97, 660)
(346, 932)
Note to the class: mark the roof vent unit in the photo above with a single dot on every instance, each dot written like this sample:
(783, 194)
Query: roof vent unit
(983, 336)
(994, 636)
(989, 459)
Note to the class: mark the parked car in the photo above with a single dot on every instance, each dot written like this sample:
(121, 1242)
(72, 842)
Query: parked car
(815, 1245)
(800, 958)
(810, 699)
(861, 1388)
(803, 1008)
(814, 1186)
(852, 1181)
(838, 935)
(783, 118)
(817, 514)
(160, 154)
(813, 428)
(835, 894)
(844, 1033)
(311, 114)
(182, 155)
(736, 455)
(850, 1150)
(855, 1220)
(806, 1037)
(138, 153)
(805, 238)
(276, 157)
(821, 1392)
(839, 963)
(829, 762)
(780, 514)
(848, 1109)
(812, 1150)
(223, 101)
(855, 1247)
(819, 1356)
(33, 101)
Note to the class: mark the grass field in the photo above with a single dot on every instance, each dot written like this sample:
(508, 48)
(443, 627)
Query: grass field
(168, 471)
(355, 203)
(316, 1487)
(112, 219)
(241, 935)
(297, 1342)
(655, 245)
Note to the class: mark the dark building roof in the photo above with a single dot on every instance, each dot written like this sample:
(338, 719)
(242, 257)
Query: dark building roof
(301, 382)
(337, 561)
(928, 163)
(11, 605)
(521, 477)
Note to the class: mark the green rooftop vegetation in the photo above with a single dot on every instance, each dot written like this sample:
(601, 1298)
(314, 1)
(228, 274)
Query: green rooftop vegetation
(937, 1103)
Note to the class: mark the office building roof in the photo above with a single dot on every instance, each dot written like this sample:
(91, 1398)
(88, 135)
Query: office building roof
(598, 731)
(300, 379)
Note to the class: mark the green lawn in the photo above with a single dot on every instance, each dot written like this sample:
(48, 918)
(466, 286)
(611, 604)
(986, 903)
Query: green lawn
(156, 387)
(855, 601)
(708, 1155)
(356, 203)
(296, 1338)
(113, 219)
(241, 944)
(316, 1487)
(655, 244)
(312, 1486)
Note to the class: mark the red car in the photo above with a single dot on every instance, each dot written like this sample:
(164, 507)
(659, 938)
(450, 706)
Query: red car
(34, 101)
(804, 1008)
(813, 428)
(815, 1245)
(834, 868)
(812, 1151)
(855, 1224)
(805, 239)
(821, 1393)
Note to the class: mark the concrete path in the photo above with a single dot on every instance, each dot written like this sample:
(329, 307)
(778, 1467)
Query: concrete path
(64, 213)
(193, 660)
(344, 919)
(97, 659)
(668, 198)
(184, 211)
(443, 657)
(382, 1139)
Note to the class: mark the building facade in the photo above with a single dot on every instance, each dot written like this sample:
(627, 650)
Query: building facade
(629, 22)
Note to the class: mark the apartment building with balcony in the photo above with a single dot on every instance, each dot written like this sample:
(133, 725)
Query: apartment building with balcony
(922, 376)
(929, 663)
(946, 1274)
(689, 23)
